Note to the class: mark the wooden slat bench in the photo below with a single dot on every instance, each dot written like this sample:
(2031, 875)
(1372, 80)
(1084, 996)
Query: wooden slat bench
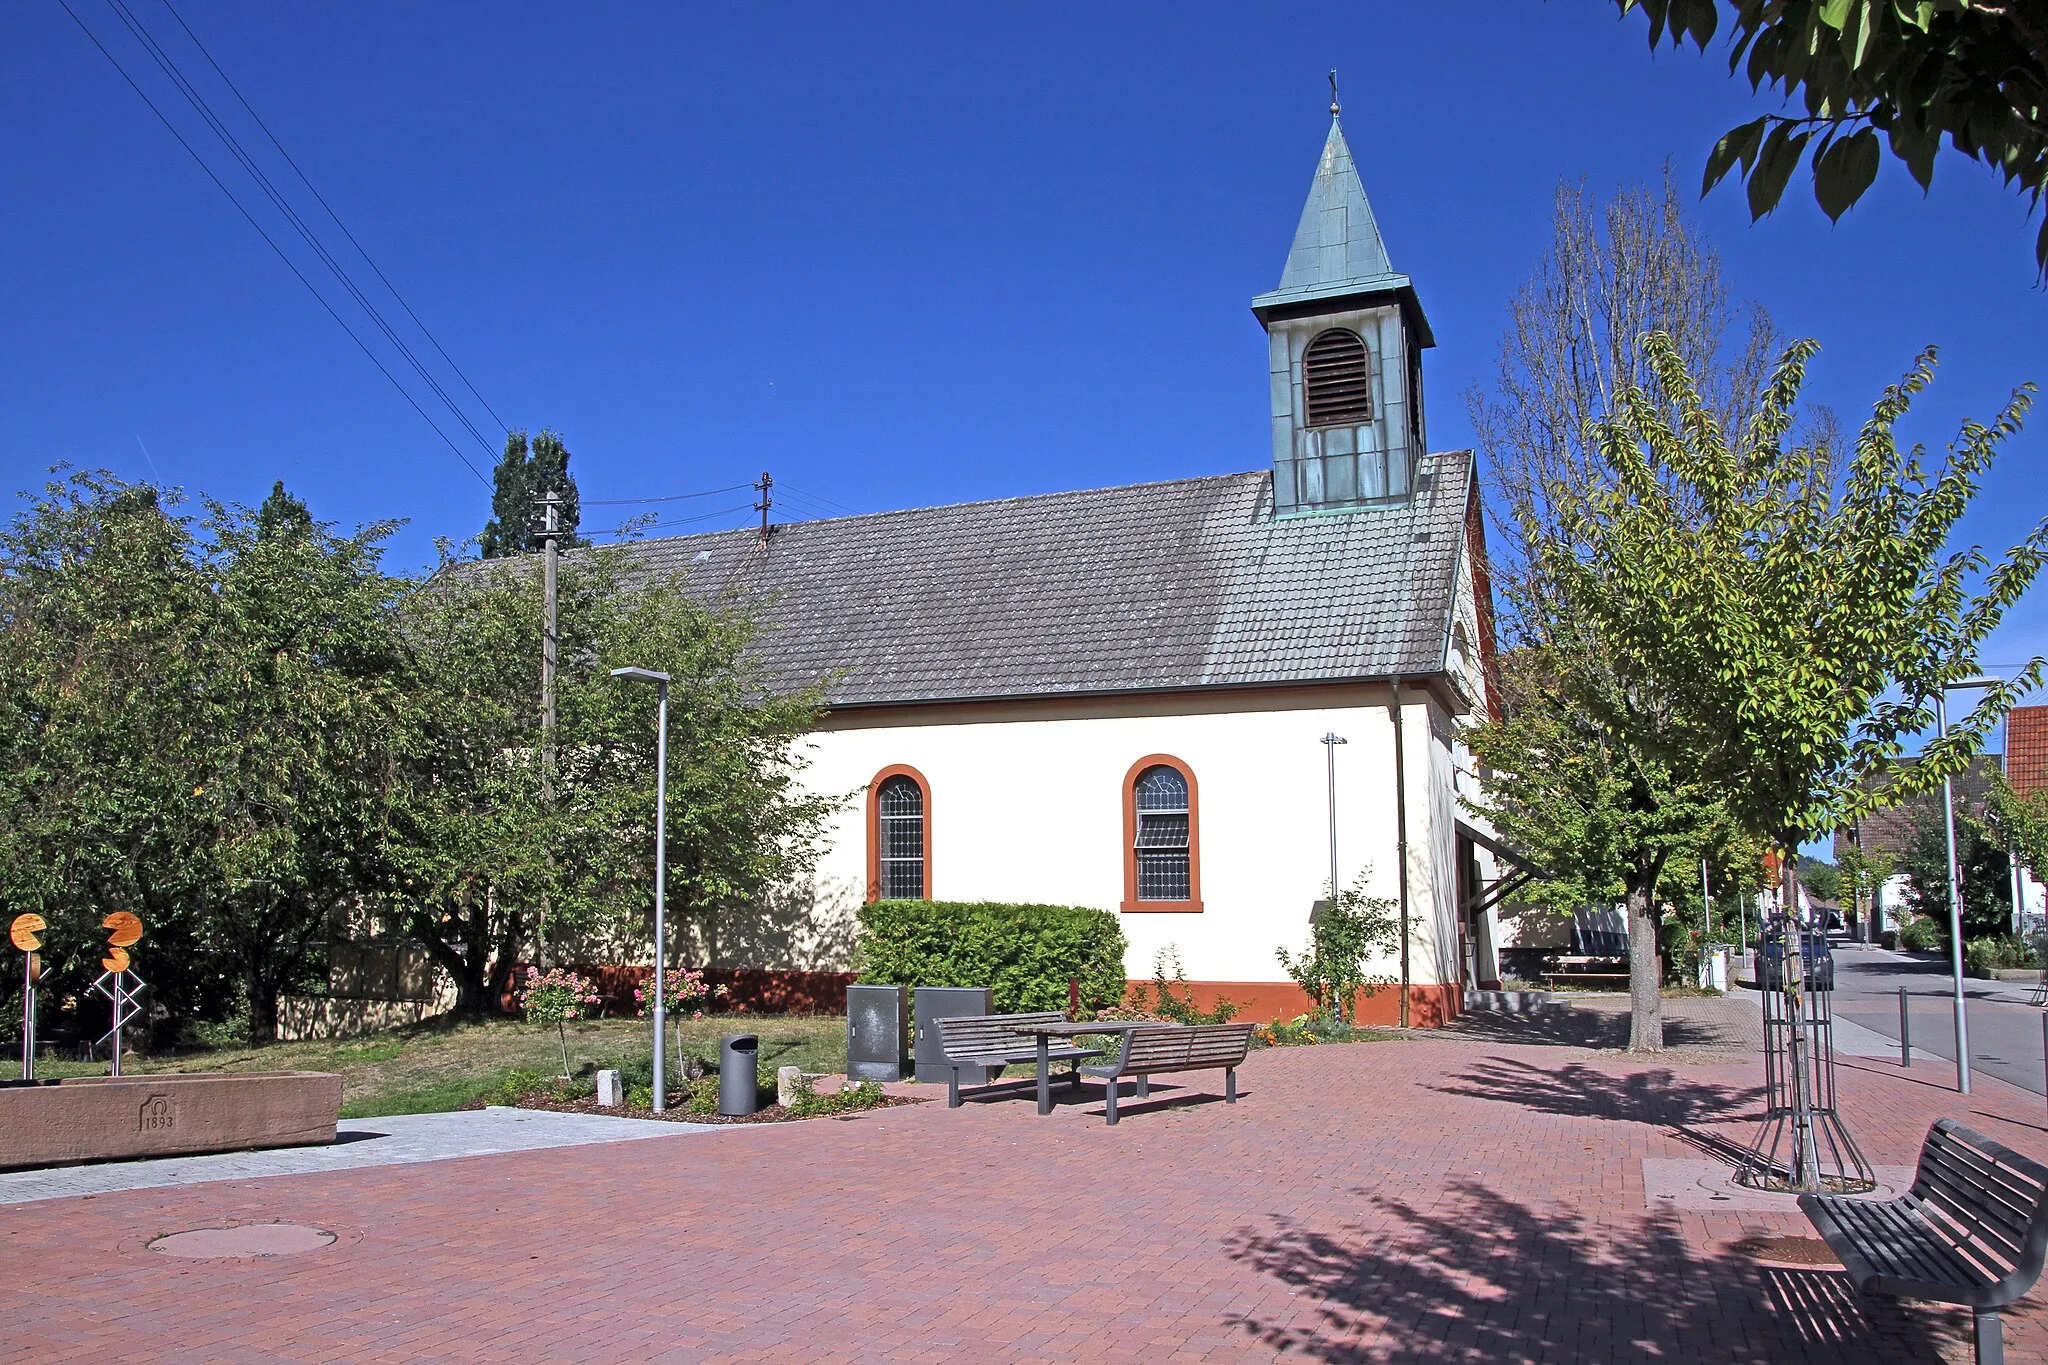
(1972, 1230)
(1148, 1051)
(1582, 968)
(993, 1040)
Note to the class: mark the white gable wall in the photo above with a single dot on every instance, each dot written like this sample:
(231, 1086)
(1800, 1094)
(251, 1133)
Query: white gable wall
(1026, 804)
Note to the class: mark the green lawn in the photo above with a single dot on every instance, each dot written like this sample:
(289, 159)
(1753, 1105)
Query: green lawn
(442, 1065)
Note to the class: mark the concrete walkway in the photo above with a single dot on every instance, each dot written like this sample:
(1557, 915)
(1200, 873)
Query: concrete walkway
(359, 1143)
(1432, 1200)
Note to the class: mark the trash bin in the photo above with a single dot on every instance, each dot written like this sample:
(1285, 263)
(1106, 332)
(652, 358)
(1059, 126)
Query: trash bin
(739, 1074)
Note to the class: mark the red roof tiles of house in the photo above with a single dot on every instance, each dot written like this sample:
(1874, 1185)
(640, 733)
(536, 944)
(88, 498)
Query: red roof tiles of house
(2026, 748)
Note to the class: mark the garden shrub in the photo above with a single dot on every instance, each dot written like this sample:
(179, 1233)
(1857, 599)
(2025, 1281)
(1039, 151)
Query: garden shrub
(807, 1103)
(1923, 935)
(1344, 933)
(1985, 957)
(1172, 1001)
(1028, 953)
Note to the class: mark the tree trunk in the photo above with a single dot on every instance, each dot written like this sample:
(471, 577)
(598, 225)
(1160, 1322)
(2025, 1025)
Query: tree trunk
(262, 1009)
(1645, 988)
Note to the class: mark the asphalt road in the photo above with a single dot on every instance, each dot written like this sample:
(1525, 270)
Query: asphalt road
(2006, 1037)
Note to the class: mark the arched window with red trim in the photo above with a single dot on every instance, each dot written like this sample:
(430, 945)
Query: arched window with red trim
(1162, 836)
(899, 835)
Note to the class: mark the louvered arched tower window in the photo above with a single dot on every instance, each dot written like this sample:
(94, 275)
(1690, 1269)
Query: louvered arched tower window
(1336, 379)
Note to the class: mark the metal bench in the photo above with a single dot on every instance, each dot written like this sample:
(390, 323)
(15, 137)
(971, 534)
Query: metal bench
(1972, 1230)
(1148, 1051)
(993, 1040)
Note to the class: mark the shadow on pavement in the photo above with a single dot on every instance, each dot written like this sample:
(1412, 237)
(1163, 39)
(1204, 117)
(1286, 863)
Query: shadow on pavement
(1485, 1278)
(1577, 1027)
(1574, 1090)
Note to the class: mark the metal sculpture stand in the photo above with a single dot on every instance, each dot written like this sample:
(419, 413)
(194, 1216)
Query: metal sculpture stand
(1802, 1145)
(22, 934)
(121, 988)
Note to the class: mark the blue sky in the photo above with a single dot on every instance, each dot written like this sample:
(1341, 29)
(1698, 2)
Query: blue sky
(895, 255)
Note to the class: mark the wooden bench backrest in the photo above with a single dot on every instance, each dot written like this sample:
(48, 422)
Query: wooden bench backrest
(1219, 1044)
(1186, 1049)
(1155, 1047)
(976, 1035)
(1993, 1198)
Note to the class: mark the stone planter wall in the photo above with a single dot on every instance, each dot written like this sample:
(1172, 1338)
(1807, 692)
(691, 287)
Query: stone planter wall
(96, 1118)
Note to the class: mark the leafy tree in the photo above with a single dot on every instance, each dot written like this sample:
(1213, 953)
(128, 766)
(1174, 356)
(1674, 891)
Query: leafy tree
(480, 852)
(1987, 884)
(291, 780)
(1586, 781)
(523, 476)
(1823, 881)
(2020, 825)
(1583, 773)
(1863, 875)
(1872, 76)
(1802, 630)
(282, 514)
(102, 668)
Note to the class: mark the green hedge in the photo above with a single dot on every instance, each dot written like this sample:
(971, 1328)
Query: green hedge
(1028, 953)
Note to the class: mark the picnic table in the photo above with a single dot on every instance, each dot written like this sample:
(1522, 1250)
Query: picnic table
(1045, 1033)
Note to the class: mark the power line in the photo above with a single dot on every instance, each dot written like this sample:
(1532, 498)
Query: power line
(686, 521)
(672, 497)
(307, 182)
(271, 242)
(822, 502)
(322, 200)
(205, 110)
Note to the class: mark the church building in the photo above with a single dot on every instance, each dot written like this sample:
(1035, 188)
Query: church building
(1168, 700)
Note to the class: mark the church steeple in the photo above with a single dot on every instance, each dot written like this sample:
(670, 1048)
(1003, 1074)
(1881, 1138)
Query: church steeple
(1346, 335)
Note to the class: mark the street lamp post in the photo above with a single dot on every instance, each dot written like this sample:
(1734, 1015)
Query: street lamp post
(1330, 742)
(660, 681)
(1955, 884)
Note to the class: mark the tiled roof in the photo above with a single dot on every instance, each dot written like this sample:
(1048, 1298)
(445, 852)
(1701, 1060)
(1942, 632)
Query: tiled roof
(1191, 583)
(2026, 748)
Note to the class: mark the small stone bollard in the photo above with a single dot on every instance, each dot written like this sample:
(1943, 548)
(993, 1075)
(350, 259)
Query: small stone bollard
(787, 1081)
(610, 1094)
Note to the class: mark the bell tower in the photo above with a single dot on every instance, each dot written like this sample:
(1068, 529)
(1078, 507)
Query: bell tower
(1345, 334)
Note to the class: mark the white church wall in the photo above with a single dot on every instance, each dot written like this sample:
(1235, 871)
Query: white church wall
(1026, 804)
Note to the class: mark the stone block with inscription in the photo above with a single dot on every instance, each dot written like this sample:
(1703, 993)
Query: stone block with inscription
(97, 1118)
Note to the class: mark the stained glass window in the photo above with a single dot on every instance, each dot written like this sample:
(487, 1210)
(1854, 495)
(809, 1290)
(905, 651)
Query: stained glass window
(899, 831)
(1161, 798)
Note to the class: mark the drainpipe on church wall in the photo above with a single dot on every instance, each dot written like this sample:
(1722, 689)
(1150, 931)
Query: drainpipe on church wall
(1401, 841)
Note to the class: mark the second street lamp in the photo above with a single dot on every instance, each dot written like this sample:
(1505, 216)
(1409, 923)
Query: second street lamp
(660, 680)
(1955, 883)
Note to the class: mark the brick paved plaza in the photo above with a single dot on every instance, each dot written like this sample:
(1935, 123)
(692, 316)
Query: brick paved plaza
(1432, 1200)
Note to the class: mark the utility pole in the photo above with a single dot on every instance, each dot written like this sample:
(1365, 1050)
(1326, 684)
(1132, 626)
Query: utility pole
(763, 505)
(551, 528)
(550, 614)
(1331, 740)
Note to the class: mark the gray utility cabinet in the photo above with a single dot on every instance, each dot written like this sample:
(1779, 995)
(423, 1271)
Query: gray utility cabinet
(933, 1003)
(877, 1032)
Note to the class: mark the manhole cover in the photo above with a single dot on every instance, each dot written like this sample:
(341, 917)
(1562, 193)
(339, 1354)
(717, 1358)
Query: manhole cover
(250, 1239)
(1786, 1250)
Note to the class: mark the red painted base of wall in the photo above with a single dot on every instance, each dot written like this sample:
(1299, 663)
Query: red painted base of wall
(1265, 1001)
(748, 990)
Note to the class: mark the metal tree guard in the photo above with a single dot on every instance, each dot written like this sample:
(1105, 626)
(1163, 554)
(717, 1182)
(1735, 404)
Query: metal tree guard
(1802, 1144)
